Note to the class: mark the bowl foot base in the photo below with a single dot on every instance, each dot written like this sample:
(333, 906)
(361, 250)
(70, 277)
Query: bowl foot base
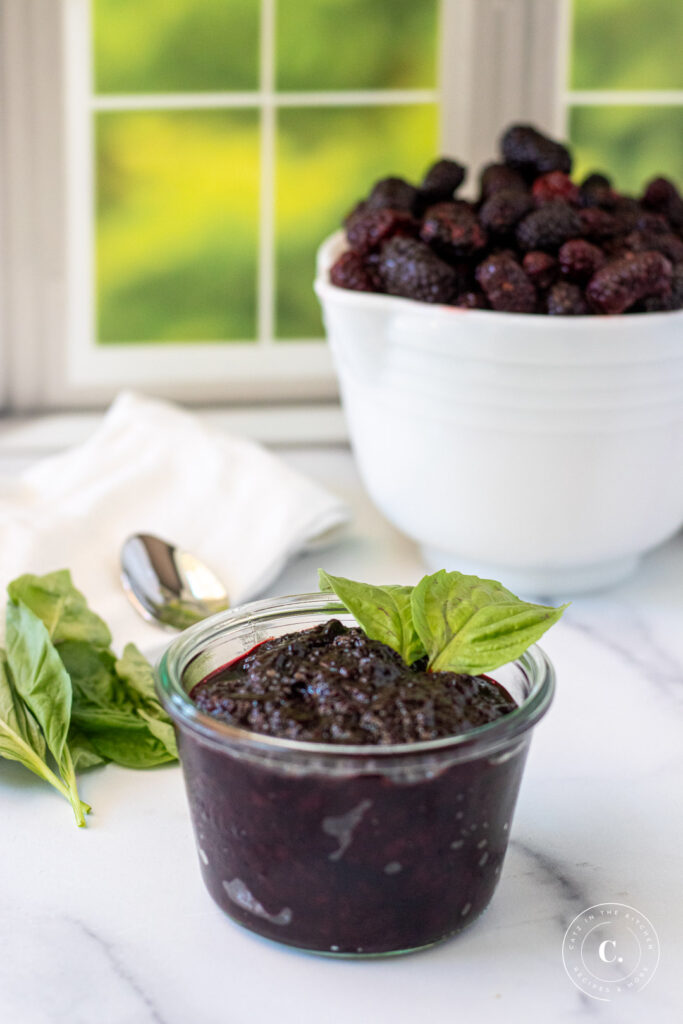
(541, 582)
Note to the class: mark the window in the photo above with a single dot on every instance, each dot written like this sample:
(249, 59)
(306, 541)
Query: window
(625, 95)
(227, 144)
(232, 142)
(171, 167)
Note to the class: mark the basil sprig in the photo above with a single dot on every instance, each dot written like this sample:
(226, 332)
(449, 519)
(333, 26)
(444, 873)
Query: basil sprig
(66, 702)
(462, 623)
(384, 613)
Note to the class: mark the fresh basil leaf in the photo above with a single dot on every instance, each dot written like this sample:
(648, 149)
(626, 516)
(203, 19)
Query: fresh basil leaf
(137, 674)
(384, 613)
(18, 740)
(106, 730)
(39, 676)
(324, 582)
(130, 746)
(110, 694)
(473, 625)
(14, 713)
(61, 608)
(83, 754)
(43, 684)
(162, 731)
(92, 718)
(93, 674)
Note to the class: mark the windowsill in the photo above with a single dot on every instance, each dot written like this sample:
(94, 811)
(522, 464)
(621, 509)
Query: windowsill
(275, 425)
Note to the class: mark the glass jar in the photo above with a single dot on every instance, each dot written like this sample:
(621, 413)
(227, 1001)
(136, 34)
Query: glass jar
(345, 850)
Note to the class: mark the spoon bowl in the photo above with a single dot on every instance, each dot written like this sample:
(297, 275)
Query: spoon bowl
(167, 585)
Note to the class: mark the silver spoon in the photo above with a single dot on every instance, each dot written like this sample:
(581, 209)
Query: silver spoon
(168, 585)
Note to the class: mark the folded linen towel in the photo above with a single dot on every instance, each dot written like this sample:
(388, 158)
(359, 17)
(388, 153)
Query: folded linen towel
(151, 467)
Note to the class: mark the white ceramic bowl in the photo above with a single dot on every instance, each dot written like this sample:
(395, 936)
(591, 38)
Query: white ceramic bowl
(543, 451)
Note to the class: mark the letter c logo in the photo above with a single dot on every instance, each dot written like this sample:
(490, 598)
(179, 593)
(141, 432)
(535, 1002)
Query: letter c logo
(602, 951)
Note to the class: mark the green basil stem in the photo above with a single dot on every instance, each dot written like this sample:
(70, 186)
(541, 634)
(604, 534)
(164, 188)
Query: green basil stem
(34, 763)
(69, 776)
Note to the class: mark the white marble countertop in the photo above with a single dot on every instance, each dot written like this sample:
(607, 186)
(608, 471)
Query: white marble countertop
(111, 925)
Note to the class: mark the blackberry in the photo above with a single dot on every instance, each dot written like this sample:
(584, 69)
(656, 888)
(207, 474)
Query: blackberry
(496, 177)
(548, 227)
(595, 180)
(367, 229)
(580, 259)
(615, 247)
(662, 196)
(471, 300)
(659, 192)
(566, 299)
(452, 230)
(601, 198)
(504, 209)
(349, 271)
(669, 245)
(505, 284)
(555, 185)
(372, 262)
(626, 212)
(596, 190)
(597, 224)
(541, 268)
(621, 283)
(526, 149)
(654, 222)
(394, 192)
(441, 181)
(674, 300)
(410, 268)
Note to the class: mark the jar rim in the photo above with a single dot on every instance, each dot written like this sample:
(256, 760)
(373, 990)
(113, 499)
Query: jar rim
(192, 642)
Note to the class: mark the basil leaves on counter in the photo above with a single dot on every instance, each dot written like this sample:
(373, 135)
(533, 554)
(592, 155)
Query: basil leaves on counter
(66, 702)
(462, 623)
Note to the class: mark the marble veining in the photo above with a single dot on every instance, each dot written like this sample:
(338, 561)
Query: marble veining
(151, 1012)
(630, 639)
(549, 869)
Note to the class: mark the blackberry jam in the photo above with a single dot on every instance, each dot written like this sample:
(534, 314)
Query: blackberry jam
(329, 821)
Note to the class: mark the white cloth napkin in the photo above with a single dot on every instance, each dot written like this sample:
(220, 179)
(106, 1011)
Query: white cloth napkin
(151, 467)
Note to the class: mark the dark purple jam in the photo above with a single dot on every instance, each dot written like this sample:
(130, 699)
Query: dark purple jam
(331, 684)
(349, 854)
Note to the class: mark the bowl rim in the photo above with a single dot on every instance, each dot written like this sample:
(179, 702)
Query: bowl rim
(188, 645)
(335, 244)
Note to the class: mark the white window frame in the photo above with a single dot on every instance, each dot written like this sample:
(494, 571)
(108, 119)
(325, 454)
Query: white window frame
(499, 60)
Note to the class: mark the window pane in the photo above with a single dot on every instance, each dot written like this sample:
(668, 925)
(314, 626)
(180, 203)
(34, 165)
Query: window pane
(326, 161)
(632, 144)
(177, 225)
(627, 44)
(356, 44)
(181, 45)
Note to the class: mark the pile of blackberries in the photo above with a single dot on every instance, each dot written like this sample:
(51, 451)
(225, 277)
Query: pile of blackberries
(532, 242)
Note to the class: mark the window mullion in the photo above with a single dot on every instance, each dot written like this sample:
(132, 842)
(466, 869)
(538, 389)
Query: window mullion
(499, 63)
(266, 257)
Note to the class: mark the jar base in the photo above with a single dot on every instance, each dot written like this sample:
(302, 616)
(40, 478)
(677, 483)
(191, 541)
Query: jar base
(547, 582)
(332, 954)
